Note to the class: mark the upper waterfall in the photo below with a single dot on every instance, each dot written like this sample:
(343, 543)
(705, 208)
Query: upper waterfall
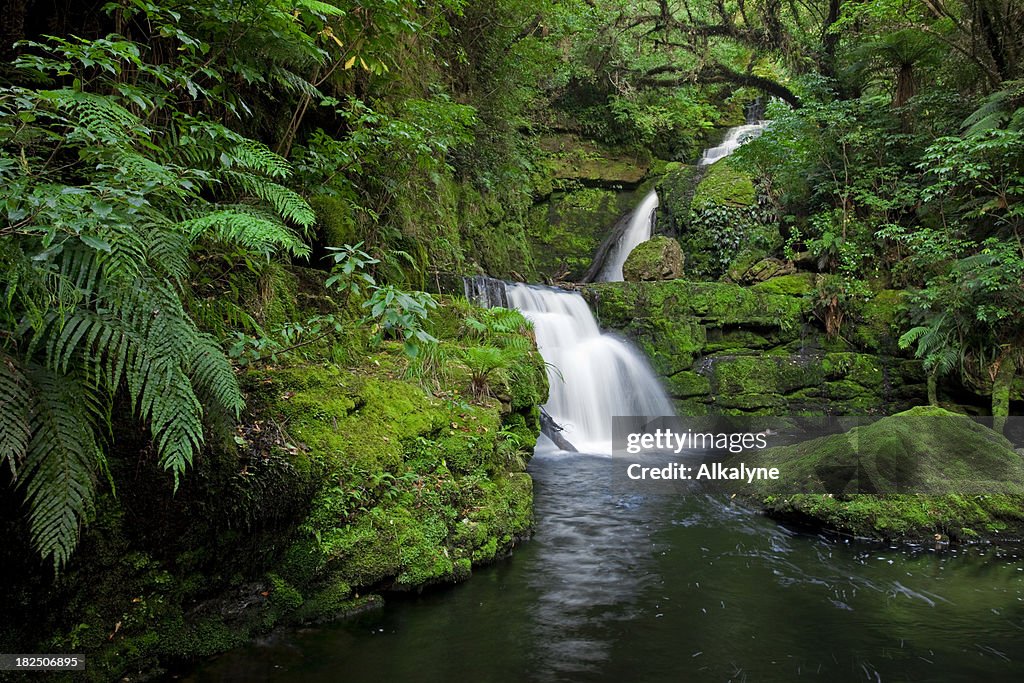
(640, 229)
(734, 138)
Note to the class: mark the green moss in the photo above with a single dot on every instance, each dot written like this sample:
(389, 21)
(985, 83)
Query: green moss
(675, 190)
(878, 327)
(714, 303)
(797, 284)
(963, 475)
(688, 384)
(334, 221)
(572, 158)
(565, 232)
(724, 185)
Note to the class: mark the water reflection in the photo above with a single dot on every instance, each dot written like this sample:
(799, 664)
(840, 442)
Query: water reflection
(617, 587)
(595, 557)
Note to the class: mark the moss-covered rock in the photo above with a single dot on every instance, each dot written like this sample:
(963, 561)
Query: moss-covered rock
(725, 348)
(659, 258)
(724, 185)
(796, 284)
(566, 230)
(675, 191)
(939, 474)
(587, 162)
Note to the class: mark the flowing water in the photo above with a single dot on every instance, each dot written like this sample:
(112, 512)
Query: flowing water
(640, 228)
(656, 588)
(592, 375)
(734, 138)
(624, 587)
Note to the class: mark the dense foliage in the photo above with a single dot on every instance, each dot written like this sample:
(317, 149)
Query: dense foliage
(163, 162)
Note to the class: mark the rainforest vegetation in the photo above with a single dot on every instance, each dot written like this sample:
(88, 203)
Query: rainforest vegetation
(214, 211)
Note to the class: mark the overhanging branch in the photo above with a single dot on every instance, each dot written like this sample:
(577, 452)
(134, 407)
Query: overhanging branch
(718, 73)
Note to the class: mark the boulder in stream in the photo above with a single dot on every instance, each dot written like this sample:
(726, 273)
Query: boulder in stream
(659, 258)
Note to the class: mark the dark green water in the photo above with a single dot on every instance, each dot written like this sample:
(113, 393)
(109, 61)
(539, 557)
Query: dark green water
(621, 587)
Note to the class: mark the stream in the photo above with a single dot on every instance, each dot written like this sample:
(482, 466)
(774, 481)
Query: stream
(664, 588)
(652, 587)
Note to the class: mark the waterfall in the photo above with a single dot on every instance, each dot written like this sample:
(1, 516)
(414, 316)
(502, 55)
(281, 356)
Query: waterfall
(593, 376)
(734, 138)
(640, 228)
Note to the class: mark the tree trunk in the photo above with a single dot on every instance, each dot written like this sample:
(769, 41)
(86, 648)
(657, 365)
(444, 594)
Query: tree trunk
(933, 389)
(12, 26)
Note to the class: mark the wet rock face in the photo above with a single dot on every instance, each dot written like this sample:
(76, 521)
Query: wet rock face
(723, 348)
(659, 258)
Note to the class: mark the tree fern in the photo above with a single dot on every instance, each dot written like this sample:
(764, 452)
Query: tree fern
(15, 420)
(104, 212)
(61, 459)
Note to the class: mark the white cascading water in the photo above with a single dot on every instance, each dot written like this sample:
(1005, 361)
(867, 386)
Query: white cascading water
(639, 230)
(593, 376)
(734, 138)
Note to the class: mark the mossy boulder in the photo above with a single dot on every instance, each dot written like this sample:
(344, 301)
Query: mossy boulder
(724, 185)
(726, 348)
(917, 474)
(659, 258)
(795, 284)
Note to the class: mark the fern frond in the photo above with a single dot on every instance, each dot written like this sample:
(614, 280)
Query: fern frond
(255, 156)
(126, 256)
(214, 382)
(288, 204)
(15, 430)
(101, 118)
(175, 417)
(911, 336)
(134, 166)
(79, 268)
(58, 475)
(247, 229)
(292, 82)
(168, 251)
(221, 315)
(998, 109)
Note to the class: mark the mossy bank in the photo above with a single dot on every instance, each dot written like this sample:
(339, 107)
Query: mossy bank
(923, 475)
(342, 482)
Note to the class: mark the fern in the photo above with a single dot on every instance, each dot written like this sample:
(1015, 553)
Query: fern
(60, 461)
(1002, 109)
(239, 225)
(256, 156)
(109, 209)
(286, 203)
(15, 420)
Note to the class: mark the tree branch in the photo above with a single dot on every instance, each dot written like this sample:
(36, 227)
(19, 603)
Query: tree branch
(718, 73)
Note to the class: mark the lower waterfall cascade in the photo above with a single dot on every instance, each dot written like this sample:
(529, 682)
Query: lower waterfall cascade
(592, 376)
